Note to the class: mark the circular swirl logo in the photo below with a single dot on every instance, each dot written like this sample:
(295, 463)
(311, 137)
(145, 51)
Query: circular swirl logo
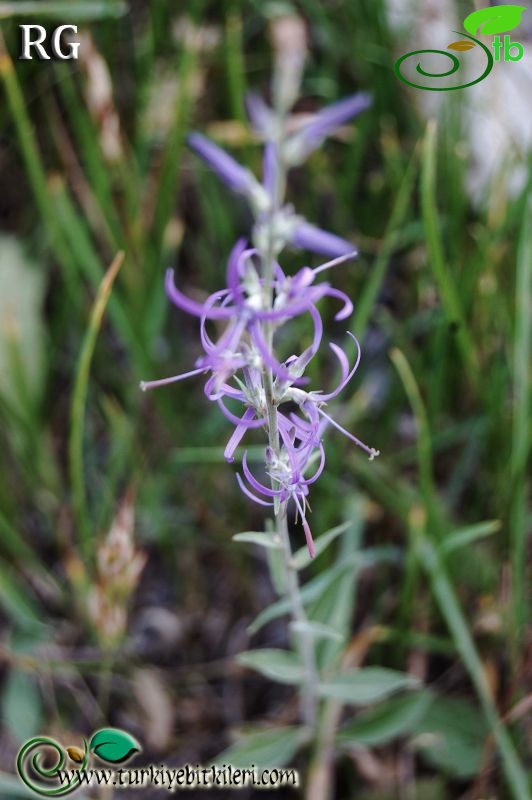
(454, 68)
(46, 780)
(112, 745)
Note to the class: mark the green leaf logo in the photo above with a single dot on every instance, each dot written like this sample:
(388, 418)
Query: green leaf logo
(113, 745)
(497, 19)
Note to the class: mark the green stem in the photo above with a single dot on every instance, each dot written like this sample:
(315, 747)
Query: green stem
(297, 610)
(306, 644)
(309, 700)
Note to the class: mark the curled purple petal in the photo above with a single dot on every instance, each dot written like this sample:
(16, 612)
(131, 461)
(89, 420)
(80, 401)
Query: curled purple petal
(257, 485)
(320, 468)
(344, 365)
(221, 390)
(298, 364)
(249, 494)
(191, 306)
(347, 309)
(252, 423)
(238, 435)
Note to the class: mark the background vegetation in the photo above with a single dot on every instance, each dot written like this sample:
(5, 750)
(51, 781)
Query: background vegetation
(123, 599)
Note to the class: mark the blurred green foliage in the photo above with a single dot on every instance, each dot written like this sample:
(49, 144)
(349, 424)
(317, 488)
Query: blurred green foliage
(94, 161)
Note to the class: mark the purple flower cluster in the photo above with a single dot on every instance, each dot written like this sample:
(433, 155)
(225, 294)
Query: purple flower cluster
(241, 366)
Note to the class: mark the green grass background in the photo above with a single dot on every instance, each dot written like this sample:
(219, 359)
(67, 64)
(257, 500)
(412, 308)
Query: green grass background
(442, 311)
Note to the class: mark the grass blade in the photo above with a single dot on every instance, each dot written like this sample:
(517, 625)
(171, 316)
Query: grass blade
(453, 615)
(442, 275)
(78, 11)
(521, 432)
(79, 398)
(376, 277)
(424, 445)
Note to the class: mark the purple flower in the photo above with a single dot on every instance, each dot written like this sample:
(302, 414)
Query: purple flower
(257, 300)
(301, 437)
(310, 136)
(233, 174)
(285, 225)
(242, 306)
(296, 293)
(309, 237)
(292, 486)
(261, 116)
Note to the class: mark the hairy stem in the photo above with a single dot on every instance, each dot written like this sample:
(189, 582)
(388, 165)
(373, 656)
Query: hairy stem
(309, 699)
(297, 610)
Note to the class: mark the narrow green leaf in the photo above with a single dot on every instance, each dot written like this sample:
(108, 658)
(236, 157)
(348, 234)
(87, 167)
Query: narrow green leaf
(451, 736)
(265, 749)
(309, 593)
(270, 540)
(468, 535)
(313, 590)
(361, 687)
(282, 666)
(393, 718)
(317, 631)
